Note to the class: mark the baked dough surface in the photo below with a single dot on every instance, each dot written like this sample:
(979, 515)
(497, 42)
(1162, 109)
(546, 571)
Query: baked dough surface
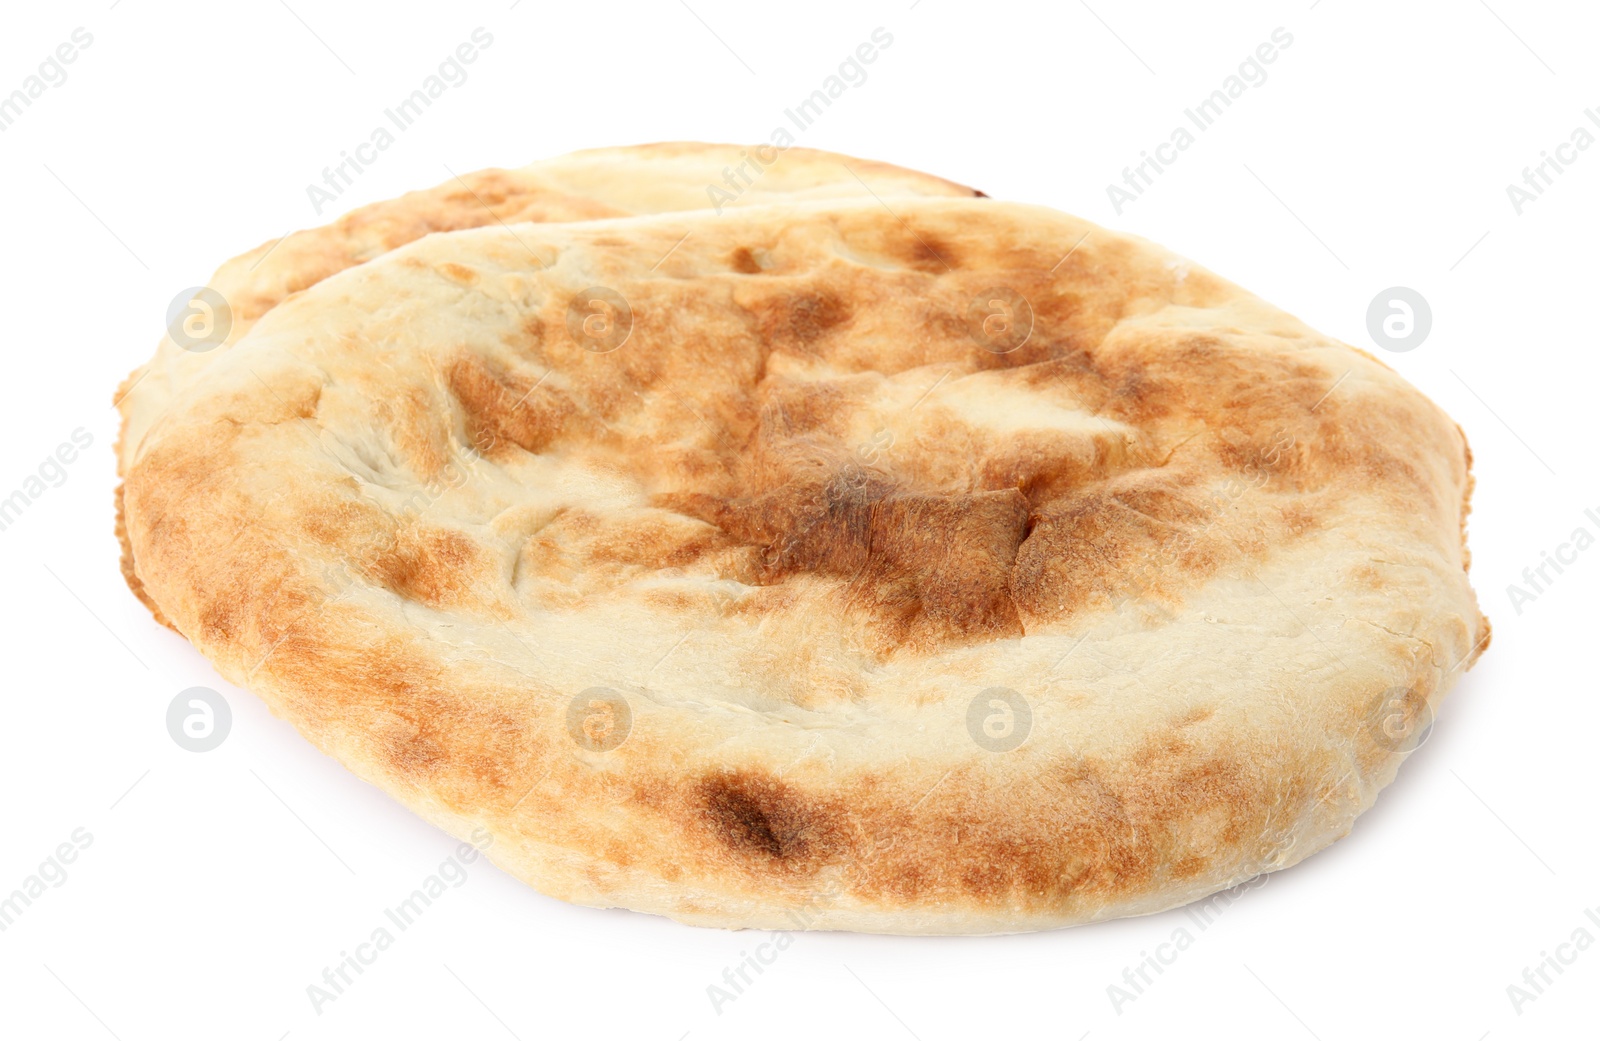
(598, 183)
(917, 565)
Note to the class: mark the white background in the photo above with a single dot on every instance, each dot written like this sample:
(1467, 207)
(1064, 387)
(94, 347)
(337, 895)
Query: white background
(1377, 153)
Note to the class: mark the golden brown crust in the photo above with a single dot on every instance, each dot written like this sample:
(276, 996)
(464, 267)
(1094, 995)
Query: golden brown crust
(806, 531)
(125, 558)
(599, 183)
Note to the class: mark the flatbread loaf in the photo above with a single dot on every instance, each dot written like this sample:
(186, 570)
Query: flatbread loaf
(601, 182)
(942, 566)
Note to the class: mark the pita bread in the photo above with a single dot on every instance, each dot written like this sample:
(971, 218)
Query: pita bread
(602, 182)
(952, 566)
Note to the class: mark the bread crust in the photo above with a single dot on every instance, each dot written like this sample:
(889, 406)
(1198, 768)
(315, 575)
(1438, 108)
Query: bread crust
(795, 536)
(596, 183)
